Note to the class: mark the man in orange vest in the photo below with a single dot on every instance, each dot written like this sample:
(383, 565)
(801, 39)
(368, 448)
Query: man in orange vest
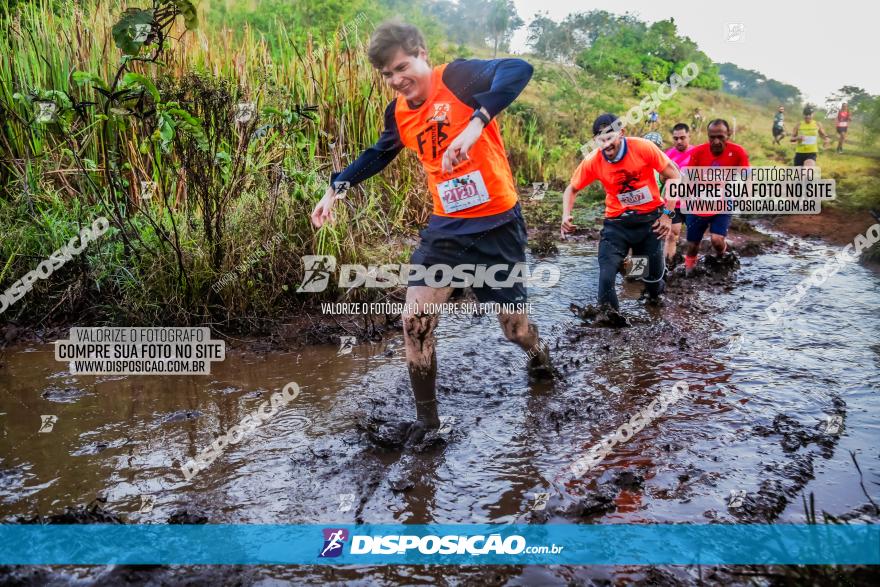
(635, 212)
(446, 114)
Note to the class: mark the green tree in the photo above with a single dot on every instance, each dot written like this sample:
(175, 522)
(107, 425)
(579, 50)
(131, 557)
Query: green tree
(502, 21)
(542, 32)
(855, 97)
(869, 109)
(757, 87)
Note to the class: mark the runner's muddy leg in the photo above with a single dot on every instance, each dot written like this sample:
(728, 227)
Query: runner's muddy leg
(421, 357)
(519, 329)
(612, 249)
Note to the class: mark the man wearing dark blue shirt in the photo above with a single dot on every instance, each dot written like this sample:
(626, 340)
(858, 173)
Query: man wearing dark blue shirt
(446, 114)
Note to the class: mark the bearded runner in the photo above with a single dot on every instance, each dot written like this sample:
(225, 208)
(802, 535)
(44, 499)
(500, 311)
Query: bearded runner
(446, 115)
(635, 216)
(718, 152)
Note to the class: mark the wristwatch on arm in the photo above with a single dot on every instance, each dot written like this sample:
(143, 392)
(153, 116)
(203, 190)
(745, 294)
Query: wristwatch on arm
(479, 114)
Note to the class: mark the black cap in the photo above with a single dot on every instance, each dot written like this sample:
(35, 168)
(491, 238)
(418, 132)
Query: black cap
(808, 110)
(603, 121)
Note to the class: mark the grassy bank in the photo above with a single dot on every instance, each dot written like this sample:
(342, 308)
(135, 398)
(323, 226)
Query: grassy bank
(221, 187)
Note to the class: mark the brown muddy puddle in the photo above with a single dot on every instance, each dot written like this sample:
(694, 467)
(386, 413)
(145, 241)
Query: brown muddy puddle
(754, 422)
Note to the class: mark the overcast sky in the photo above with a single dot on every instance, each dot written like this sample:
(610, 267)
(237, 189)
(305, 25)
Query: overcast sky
(816, 46)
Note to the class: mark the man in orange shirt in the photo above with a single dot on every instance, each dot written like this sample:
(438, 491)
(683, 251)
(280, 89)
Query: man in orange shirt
(446, 115)
(635, 215)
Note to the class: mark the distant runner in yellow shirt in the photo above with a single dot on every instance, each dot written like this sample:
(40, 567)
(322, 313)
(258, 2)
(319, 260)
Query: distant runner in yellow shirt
(806, 135)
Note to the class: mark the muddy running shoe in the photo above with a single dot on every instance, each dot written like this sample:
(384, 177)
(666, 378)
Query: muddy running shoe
(540, 367)
(400, 435)
(655, 302)
(413, 432)
(676, 260)
(396, 435)
(730, 259)
(726, 262)
(586, 313)
(611, 318)
(602, 316)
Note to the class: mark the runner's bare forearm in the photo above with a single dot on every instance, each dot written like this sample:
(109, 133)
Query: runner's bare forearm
(568, 201)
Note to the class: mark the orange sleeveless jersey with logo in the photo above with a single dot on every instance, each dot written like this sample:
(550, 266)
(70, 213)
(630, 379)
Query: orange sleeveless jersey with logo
(480, 186)
(630, 183)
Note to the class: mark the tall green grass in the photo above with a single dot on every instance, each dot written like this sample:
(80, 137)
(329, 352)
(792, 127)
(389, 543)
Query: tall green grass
(257, 180)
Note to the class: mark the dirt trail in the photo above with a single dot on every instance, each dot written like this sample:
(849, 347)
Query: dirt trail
(753, 425)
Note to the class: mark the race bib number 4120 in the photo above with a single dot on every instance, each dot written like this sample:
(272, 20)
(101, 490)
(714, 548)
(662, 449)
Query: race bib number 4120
(463, 192)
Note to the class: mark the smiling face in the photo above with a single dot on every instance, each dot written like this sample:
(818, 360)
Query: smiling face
(410, 75)
(609, 141)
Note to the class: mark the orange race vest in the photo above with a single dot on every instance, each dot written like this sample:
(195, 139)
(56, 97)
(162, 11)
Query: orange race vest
(482, 186)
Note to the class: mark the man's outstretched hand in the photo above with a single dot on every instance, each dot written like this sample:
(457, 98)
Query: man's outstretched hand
(324, 209)
(567, 226)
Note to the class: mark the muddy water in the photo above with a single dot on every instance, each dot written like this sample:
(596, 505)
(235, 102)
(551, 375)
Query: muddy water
(753, 421)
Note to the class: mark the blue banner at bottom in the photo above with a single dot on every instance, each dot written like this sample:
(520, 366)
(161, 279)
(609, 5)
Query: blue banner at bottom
(451, 544)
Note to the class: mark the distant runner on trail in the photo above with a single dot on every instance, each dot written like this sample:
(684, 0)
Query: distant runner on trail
(635, 216)
(446, 115)
(779, 125)
(697, 121)
(656, 138)
(806, 135)
(680, 154)
(718, 152)
(843, 119)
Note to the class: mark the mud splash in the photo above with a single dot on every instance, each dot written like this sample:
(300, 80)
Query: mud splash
(772, 414)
